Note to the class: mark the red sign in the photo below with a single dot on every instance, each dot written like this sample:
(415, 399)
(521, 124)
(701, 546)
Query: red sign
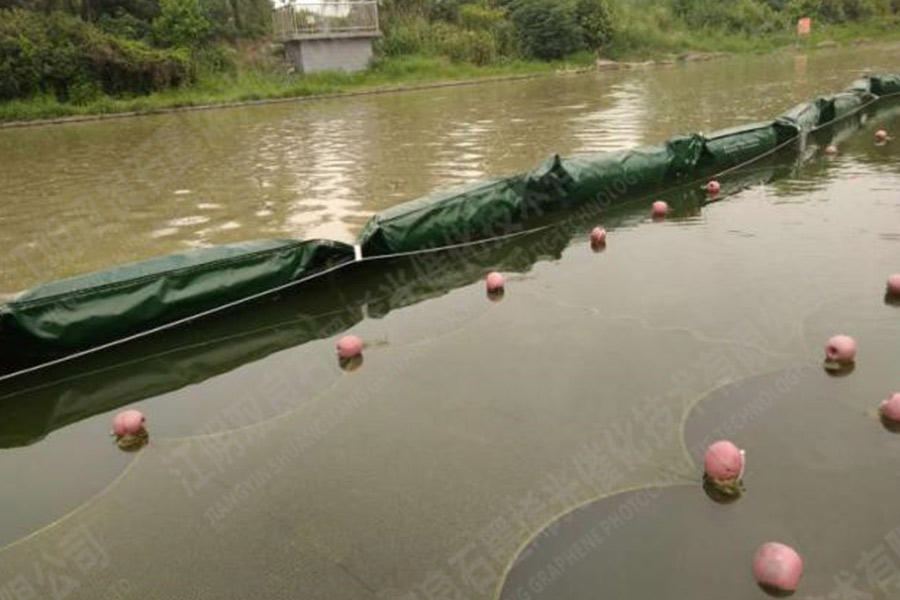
(804, 26)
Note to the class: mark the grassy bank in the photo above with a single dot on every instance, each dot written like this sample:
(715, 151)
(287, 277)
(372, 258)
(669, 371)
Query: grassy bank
(250, 83)
(649, 39)
(265, 80)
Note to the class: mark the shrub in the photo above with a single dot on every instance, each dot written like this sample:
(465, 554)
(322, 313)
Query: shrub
(446, 10)
(181, 23)
(406, 36)
(462, 45)
(596, 20)
(478, 17)
(84, 91)
(124, 24)
(74, 60)
(493, 21)
(216, 59)
(547, 29)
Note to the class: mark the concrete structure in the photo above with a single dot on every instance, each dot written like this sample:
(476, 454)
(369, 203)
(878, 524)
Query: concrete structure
(332, 52)
(327, 35)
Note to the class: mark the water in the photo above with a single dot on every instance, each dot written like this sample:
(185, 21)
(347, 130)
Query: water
(471, 425)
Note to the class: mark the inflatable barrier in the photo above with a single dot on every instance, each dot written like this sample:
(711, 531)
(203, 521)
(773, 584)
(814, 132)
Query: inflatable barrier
(93, 309)
(88, 312)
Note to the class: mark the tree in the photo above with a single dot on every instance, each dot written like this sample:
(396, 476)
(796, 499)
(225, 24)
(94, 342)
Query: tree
(596, 20)
(548, 29)
(181, 23)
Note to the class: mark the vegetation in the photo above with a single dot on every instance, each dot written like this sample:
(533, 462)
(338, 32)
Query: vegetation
(71, 57)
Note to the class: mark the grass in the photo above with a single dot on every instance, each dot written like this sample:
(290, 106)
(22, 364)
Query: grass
(260, 84)
(645, 39)
(638, 40)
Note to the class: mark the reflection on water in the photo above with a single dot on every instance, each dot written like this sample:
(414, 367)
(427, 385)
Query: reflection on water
(471, 425)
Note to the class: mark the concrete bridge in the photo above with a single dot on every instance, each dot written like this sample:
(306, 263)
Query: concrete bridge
(328, 34)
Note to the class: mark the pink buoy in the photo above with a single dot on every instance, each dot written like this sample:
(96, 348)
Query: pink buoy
(831, 149)
(890, 408)
(349, 346)
(713, 187)
(598, 237)
(494, 282)
(778, 567)
(660, 209)
(723, 463)
(881, 136)
(129, 422)
(893, 284)
(840, 349)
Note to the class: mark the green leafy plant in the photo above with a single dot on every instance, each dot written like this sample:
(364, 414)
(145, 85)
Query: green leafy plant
(547, 29)
(181, 23)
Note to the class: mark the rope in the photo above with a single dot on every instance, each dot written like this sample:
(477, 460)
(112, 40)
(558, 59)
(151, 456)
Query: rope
(251, 298)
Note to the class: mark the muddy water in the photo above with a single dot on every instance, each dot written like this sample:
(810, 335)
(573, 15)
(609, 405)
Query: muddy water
(471, 425)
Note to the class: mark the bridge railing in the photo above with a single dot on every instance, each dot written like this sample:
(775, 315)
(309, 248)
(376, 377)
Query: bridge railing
(300, 19)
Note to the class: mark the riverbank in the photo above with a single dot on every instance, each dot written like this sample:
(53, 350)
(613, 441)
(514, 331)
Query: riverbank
(255, 85)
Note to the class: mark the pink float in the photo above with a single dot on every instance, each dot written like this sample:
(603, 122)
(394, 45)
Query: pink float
(129, 429)
(660, 209)
(831, 149)
(713, 187)
(598, 237)
(349, 346)
(840, 350)
(777, 567)
(890, 408)
(893, 284)
(881, 136)
(723, 464)
(494, 282)
(129, 422)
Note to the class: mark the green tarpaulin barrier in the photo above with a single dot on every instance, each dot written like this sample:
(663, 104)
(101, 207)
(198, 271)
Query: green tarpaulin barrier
(845, 104)
(498, 206)
(884, 85)
(470, 212)
(879, 85)
(731, 147)
(93, 309)
(805, 117)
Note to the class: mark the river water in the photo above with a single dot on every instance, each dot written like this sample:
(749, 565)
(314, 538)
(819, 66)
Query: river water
(472, 425)
(81, 197)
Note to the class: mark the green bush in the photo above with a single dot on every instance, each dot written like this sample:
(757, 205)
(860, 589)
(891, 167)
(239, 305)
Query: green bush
(402, 37)
(752, 18)
(215, 59)
(124, 24)
(595, 17)
(547, 29)
(462, 45)
(475, 17)
(84, 92)
(181, 23)
(446, 10)
(478, 17)
(73, 60)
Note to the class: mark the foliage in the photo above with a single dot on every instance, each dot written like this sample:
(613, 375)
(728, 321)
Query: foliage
(124, 24)
(597, 22)
(96, 54)
(547, 29)
(181, 23)
(63, 55)
(464, 45)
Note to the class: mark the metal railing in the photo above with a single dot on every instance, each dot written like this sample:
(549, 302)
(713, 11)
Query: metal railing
(299, 19)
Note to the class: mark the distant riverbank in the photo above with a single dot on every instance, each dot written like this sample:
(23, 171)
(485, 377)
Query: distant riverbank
(255, 85)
